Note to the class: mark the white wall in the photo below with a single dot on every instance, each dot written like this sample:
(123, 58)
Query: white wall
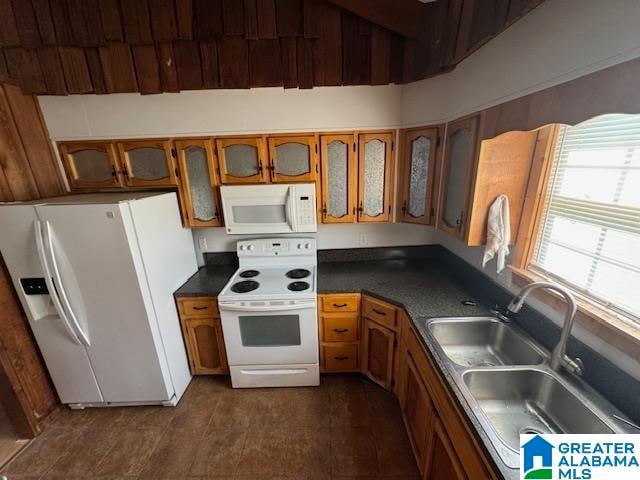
(558, 41)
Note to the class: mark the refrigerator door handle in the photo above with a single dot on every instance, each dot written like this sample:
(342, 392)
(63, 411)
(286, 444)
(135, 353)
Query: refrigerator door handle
(53, 291)
(71, 317)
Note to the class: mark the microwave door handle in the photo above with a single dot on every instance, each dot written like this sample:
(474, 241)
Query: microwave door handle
(291, 214)
(71, 316)
(48, 279)
(265, 308)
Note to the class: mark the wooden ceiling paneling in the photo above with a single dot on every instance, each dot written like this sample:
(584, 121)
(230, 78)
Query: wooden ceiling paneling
(61, 47)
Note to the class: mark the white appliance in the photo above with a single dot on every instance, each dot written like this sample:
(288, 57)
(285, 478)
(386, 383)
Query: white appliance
(269, 314)
(96, 274)
(275, 208)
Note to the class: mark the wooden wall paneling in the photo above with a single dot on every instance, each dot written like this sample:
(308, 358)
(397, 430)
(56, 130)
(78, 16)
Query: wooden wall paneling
(136, 21)
(304, 53)
(265, 64)
(208, 19)
(162, 15)
(356, 52)
(13, 159)
(8, 29)
(452, 28)
(364, 26)
(4, 70)
(327, 49)
(233, 55)
(210, 67)
(86, 23)
(168, 72)
(289, 60)
(380, 56)
(61, 22)
(52, 72)
(396, 52)
(501, 11)
(464, 29)
(187, 55)
(266, 19)
(518, 8)
(409, 60)
(184, 19)
(232, 17)
(289, 18)
(111, 20)
(95, 70)
(76, 71)
(147, 68)
(35, 139)
(250, 19)
(118, 69)
(311, 11)
(23, 66)
(25, 18)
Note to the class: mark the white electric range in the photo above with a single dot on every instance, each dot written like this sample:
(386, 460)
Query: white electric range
(269, 314)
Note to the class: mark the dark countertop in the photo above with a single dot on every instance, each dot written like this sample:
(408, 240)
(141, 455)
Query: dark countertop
(423, 288)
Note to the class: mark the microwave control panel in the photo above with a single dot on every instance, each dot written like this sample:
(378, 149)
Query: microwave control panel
(306, 210)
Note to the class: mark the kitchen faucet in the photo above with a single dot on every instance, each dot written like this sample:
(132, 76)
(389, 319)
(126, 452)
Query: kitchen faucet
(558, 357)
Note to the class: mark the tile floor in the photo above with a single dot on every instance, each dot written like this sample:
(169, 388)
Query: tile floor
(346, 428)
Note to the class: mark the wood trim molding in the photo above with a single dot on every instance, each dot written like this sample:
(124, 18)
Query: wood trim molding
(603, 323)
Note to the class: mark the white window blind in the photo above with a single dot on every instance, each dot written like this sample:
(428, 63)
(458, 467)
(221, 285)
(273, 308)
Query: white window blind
(590, 233)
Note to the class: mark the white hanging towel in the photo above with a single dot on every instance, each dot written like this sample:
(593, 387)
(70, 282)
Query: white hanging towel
(498, 232)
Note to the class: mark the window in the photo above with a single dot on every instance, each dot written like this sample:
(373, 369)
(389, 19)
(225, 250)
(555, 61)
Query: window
(589, 235)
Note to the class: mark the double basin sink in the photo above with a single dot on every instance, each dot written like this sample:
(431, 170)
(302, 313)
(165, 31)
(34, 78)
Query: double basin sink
(505, 378)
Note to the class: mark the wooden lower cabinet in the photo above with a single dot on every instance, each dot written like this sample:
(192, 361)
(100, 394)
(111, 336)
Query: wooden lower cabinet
(442, 459)
(339, 332)
(203, 336)
(378, 352)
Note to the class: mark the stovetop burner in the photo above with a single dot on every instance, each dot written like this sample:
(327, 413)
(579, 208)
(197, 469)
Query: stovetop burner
(298, 273)
(249, 273)
(298, 286)
(244, 286)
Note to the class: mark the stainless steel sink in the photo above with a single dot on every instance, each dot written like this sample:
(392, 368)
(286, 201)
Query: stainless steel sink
(483, 342)
(530, 401)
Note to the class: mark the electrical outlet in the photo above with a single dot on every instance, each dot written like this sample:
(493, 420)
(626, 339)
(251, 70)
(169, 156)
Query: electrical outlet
(202, 243)
(363, 239)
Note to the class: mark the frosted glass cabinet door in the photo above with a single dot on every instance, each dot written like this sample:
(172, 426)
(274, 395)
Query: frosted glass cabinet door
(148, 163)
(374, 163)
(339, 178)
(242, 160)
(418, 171)
(90, 164)
(458, 165)
(199, 193)
(293, 159)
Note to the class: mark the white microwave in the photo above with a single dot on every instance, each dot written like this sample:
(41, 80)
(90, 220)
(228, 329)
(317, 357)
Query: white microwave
(275, 208)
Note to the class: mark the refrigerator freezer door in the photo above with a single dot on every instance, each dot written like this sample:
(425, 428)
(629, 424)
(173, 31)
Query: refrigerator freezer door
(67, 361)
(110, 299)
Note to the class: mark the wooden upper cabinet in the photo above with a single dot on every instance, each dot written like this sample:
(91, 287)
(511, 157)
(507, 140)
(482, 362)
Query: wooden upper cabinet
(199, 192)
(458, 168)
(242, 160)
(417, 175)
(378, 353)
(293, 158)
(339, 178)
(91, 164)
(375, 163)
(443, 461)
(148, 163)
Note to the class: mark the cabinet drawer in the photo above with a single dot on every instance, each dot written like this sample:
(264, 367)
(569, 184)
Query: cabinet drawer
(340, 328)
(379, 311)
(340, 303)
(338, 358)
(198, 307)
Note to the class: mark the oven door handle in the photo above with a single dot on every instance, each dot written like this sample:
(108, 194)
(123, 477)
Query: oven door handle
(265, 308)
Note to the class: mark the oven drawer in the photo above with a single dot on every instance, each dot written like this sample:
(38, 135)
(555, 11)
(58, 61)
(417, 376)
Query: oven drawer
(379, 311)
(339, 358)
(340, 303)
(340, 328)
(198, 307)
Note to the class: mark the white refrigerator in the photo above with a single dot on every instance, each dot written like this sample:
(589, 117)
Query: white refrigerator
(96, 274)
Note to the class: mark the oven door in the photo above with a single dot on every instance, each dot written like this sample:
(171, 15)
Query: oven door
(270, 332)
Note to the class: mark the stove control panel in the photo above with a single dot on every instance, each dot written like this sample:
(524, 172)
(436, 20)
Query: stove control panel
(271, 247)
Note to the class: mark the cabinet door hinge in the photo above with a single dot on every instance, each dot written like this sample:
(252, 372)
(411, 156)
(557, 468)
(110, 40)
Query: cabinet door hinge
(174, 152)
(438, 141)
(354, 146)
(316, 148)
(393, 145)
(176, 172)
